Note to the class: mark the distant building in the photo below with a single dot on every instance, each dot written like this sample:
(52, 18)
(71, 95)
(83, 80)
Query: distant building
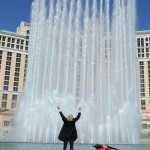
(13, 64)
(143, 55)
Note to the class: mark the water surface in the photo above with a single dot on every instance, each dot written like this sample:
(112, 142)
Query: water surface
(37, 146)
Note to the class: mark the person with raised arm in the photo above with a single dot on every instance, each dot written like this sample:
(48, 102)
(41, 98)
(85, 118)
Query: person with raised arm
(100, 147)
(68, 131)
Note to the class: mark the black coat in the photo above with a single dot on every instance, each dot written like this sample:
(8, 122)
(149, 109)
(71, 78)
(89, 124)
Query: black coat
(68, 131)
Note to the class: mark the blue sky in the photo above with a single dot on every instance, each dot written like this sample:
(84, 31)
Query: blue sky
(12, 12)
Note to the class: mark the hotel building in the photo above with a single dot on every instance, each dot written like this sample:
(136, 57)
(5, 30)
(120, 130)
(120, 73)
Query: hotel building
(13, 65)
(143, 57)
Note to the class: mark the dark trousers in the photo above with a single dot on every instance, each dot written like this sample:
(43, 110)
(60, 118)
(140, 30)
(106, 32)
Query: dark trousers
(65, 145)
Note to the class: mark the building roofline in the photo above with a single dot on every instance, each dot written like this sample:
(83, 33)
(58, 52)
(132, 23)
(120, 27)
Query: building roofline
(11, 33)
(25, 23)
(145, 32)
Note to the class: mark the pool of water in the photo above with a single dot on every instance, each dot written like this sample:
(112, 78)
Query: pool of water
(37, 146)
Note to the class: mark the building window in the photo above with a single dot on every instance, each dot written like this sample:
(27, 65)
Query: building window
(15, 83)
(28, 32)
(27, 42)
(8, 58)
(142, 42)
(141, 52)
(142, 102)
(0, 63)
(141, 71)
(8, 44)
(4, 97)
(13, 105)
(144, 126)
(17, 64)
(5, 87)
(6, 78)
(4, 104)
(18, 55)
(3, 44)
(3, 38)
(143, 108)
(141, 67)
(18, 41)
(142, 76)
(7, 68)
(142, 94)
(14, 97)
(18, 59)
(8, 39)
(22, 42)
(26, 48)
(149, 75)
(142, 89)
(6, 82)
(15, 88)
(6, 123)
(17, 46)
(13, 40)
(16, 79)
(142, 85)
(138, 42)
(9, 54)
(12, 45)
(141, 63)
(141, 80)
(147, 50)
(1, 52)
(17, 69)
(8, 63)
(7, 72)
(21, 47)
(26, 59)
(16, 74)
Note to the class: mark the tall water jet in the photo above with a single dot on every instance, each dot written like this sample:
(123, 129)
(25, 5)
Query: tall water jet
(81, 53)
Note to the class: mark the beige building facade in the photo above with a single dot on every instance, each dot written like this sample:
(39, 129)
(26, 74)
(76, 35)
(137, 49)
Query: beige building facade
(143, 57)
(13, 64)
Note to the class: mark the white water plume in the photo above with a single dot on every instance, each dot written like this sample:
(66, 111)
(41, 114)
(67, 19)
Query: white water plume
(81, 54)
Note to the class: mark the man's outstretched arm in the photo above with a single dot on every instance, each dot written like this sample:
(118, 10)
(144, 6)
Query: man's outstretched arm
(111, 147)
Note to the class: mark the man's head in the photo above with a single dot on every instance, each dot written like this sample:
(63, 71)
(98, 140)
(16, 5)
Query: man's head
(70, 117)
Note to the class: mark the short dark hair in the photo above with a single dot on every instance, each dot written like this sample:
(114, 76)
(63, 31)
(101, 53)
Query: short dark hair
(98, 146)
